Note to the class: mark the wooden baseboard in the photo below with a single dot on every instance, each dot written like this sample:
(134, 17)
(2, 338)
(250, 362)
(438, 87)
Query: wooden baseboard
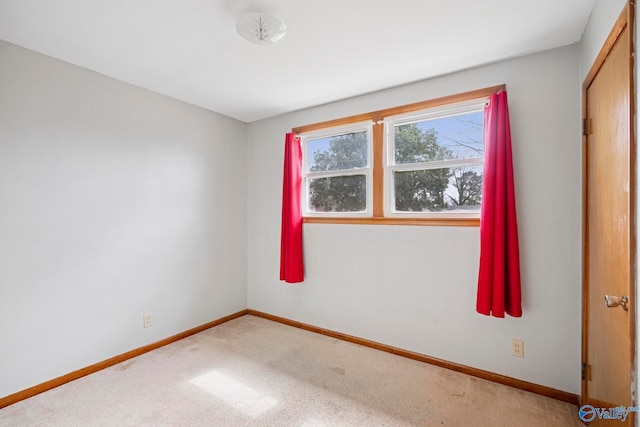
(512, 382)
(56, 382)
(497, 378)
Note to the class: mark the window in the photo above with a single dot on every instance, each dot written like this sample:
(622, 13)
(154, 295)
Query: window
(337, 171)
(434, 161)
(416, 164)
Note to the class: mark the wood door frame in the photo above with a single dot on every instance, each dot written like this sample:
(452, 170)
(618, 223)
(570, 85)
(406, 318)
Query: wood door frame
(625, 20)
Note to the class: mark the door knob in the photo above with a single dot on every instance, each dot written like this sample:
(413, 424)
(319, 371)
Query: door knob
(613, 301)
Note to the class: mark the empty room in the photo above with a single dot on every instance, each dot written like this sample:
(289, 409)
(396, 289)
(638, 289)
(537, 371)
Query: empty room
(317, 213)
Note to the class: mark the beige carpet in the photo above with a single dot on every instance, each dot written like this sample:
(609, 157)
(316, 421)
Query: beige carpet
(254, 372)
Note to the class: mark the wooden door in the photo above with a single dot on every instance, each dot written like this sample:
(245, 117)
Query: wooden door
(608, 332)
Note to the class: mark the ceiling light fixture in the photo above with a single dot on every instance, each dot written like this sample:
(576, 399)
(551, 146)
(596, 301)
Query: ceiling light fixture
(260, 28)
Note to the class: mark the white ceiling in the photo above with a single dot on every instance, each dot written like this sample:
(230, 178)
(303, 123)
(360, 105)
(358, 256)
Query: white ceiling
(334, 49)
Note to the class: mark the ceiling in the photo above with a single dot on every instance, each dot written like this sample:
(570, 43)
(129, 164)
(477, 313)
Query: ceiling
(334, 49)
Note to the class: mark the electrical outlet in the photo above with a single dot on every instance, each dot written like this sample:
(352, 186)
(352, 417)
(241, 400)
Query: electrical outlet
(517, 348)
(147, 320)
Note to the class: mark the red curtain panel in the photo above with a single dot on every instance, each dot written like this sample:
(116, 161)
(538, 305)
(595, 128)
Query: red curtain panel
(499, 289)
(291, 260)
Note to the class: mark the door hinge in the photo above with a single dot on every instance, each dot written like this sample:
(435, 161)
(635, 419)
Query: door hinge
(585, 371)
(586, 127)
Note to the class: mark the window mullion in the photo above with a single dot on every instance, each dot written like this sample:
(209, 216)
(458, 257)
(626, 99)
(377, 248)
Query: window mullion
(378, 169)
(407, 167)
(331, 174)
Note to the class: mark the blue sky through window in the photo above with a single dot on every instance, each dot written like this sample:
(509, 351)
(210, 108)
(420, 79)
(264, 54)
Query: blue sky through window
(462, 134)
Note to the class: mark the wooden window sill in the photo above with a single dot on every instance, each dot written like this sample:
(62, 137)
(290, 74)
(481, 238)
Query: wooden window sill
(451, 222)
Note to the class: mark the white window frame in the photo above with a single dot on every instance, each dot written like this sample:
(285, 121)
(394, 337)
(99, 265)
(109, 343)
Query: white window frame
(389, 156)
(307, 175)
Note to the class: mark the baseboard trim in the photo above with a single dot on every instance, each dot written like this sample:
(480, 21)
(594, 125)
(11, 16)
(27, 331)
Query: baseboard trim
(497, 378)
(56, 382)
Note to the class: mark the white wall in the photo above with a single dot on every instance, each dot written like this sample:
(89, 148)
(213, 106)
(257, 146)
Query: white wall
(414, 287)
(115, 202)
(601, 21)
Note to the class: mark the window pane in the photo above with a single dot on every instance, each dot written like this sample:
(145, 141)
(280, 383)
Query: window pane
(449, 189)
(341, 152)
(444, 138)
(338, 194)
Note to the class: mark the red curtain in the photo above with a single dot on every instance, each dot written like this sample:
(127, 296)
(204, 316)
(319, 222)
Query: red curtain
(499, 275)
(291, 263)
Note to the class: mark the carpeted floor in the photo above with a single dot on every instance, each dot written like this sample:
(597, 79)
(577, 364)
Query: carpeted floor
(254, 372)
